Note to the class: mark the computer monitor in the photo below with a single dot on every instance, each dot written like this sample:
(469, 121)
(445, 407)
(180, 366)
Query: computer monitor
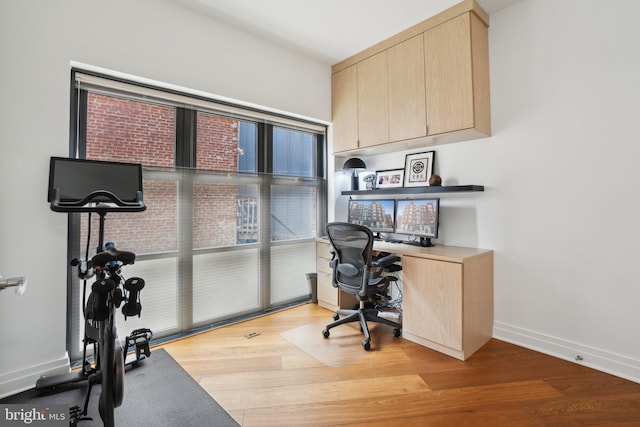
(376, 214)
(75, 179)
(418, 218)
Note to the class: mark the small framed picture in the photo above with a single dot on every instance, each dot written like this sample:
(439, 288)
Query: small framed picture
(366, 180)
(418, 168)
(389, 178)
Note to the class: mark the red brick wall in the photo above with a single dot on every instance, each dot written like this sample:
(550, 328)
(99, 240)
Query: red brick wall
(151, 231)
(215, 205)
(217, 143)
(214, 215)
(131, 131)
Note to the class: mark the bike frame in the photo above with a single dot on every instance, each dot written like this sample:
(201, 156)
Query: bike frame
(108, 353)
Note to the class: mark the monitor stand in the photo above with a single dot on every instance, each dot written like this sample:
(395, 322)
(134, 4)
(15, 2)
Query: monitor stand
(378, 237)
(425, 242)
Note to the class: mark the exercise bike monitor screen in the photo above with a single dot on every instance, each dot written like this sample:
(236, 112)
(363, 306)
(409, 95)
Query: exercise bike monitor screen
(75, 179)
(418, 218)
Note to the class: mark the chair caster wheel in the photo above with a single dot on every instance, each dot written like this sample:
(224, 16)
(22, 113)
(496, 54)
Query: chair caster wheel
(397, 332)
(366, 345)
(336, 317)
(325, 333)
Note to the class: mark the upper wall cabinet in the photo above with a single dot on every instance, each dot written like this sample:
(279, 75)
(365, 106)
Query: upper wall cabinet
(425, 86)
(373, 101)
(344, 101)
(407, 116)
(457, 76)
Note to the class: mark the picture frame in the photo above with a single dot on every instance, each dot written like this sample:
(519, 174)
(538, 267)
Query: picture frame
(418, 168)
(366, 179)
(390, 178)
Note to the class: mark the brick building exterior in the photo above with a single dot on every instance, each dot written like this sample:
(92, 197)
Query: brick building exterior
(126, 130)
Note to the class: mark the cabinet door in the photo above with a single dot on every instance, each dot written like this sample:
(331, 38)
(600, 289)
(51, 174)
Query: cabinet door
(345, 109)
(407, 116)
(448, 75)
(373, 101)
(432, 301)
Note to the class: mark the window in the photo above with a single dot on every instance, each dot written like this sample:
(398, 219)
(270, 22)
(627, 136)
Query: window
(235, 199)
(294, 153)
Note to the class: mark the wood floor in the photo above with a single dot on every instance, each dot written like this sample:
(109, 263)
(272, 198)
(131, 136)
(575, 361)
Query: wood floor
(265, 380)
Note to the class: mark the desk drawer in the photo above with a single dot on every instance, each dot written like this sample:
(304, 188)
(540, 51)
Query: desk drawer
(323, 256)
(326, 292)
(322, 265)
(323, 250)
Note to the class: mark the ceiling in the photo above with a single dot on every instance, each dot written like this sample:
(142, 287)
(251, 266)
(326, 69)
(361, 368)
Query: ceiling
(327, 30)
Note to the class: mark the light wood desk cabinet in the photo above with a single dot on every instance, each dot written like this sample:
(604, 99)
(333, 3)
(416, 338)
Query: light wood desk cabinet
(447, 295)
(448, 305)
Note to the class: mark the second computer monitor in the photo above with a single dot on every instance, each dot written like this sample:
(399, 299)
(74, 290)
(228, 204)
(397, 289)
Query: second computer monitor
(376, 214)
(419, 218)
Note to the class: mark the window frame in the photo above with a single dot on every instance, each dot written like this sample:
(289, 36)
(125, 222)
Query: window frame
(83, 82)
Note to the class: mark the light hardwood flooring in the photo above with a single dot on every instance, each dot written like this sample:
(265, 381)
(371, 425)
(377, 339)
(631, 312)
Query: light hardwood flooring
(268, 381)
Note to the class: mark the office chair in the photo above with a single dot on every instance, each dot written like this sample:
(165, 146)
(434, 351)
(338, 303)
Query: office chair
(356, 272)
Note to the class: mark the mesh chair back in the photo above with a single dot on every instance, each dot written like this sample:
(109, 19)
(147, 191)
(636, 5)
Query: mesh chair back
(353, 245)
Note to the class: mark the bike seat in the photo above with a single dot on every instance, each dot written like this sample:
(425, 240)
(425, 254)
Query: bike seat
(113, 254)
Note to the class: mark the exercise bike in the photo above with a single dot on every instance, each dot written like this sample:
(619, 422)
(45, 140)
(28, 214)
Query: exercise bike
(108, 291)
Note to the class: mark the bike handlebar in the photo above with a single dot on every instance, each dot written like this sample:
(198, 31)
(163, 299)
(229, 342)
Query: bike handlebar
(81, 205)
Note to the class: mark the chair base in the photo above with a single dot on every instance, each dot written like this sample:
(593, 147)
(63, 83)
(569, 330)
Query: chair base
(362, 316)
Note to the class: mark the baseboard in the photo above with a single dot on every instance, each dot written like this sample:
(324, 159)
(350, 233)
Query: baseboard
(598, 359)
(25, 379)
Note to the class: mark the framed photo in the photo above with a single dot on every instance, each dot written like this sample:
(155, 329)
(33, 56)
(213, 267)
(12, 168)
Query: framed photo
(366, 180)
(389, 178)
(418, 168)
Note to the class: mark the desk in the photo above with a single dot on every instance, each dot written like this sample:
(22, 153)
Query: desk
(447, 294)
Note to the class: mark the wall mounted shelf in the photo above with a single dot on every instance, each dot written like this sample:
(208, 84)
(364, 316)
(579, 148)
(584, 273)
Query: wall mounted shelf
(416, 190)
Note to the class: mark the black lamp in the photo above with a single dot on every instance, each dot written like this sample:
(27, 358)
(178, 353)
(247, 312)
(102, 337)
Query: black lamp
(354, 164)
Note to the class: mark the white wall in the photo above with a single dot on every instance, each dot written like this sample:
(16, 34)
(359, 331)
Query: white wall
(561, 176)
(565, 80)
(154, 39)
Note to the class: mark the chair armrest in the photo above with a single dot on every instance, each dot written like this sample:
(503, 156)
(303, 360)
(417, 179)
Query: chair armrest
(384, 261)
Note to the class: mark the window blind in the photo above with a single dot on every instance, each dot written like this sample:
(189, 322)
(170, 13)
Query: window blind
(151, 91)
